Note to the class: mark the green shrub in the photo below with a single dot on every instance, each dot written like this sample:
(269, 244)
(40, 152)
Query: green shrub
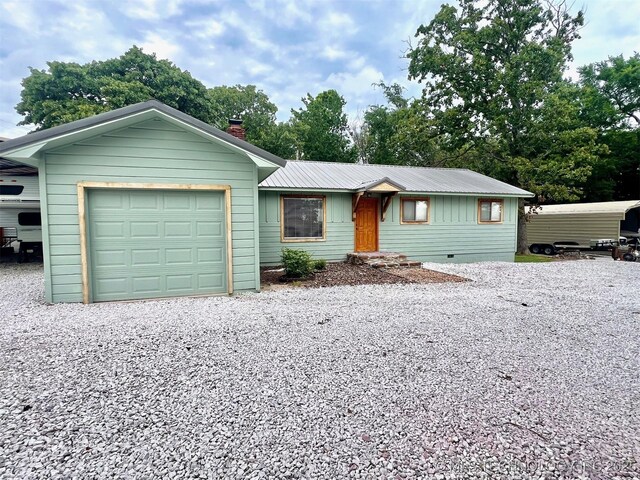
(297, 263)
(320, 264)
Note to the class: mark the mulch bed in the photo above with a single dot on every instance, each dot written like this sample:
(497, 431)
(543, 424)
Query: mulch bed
(347, 274)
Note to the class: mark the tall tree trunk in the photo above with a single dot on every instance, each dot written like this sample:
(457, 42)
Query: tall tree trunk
(523, 248)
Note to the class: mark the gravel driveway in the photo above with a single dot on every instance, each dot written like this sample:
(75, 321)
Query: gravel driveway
(531, 370)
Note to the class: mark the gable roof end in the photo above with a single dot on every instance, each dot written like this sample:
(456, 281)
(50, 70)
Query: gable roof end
(385, 180)
(43, 136)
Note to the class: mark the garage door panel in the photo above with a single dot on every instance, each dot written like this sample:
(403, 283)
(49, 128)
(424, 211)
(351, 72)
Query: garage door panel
(151, 284)
(113, 286)
(208, 255)
(109, 230)
(144, 257)
(179, 283)
(182, 201)
(141, 201)
(107, 203)
(210, 203)
(179, 256)
(211, 281)
(157, 244)
(110, 258)
(209, 229)
(177, 229)
(142, 229)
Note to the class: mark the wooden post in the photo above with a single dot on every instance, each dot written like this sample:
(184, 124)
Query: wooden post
(354, 203)
(385, 204)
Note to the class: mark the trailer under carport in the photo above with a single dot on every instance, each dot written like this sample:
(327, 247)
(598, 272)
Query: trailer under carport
(582, 223)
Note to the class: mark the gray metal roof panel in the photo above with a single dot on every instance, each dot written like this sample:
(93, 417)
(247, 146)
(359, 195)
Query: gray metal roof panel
(9, 167)
(78, 125)
(351, 176)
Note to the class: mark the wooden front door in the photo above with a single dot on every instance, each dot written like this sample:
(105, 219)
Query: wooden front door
(367, 225)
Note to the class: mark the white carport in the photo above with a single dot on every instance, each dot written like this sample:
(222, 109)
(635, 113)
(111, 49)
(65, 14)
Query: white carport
(582, 222)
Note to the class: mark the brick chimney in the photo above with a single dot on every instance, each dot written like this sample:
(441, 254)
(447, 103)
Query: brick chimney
(236, 129)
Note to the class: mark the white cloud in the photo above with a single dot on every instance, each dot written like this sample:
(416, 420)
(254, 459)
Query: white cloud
(333, 53)
(88, 32)
(256, 68)
(287, 13)
(21, 15)
(355, 85)
(161, 46)
(151, 9)
(251, 29)
(10, 129)
(206, 28)
(338, 22)
(356, 63)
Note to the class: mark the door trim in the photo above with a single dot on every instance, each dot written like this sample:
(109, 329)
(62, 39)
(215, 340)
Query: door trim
(355, 232)
(82, 221)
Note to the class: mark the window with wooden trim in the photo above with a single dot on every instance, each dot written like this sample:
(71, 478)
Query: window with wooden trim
(414, 210)
(302, 218)
(490, 211)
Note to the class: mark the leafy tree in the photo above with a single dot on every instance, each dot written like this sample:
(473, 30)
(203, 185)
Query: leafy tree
(399, 133)
(623, 164)
(487, 66)
(615, 83)
(258, 115)
(489, 69)
(321, 129)
(279, 139)
(70, 91)
(611, 103)
(247, 103)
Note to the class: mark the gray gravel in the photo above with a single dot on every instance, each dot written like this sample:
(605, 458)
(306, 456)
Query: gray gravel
(529, 371)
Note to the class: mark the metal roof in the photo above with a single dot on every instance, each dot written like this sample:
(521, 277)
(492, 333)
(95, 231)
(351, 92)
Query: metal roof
(79, 125)
(621, 207)
(308, 175)
(9, 167)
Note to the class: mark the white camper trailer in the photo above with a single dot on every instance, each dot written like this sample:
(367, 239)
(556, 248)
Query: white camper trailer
(20, 214)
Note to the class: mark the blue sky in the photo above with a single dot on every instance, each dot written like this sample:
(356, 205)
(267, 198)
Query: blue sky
(286, 47)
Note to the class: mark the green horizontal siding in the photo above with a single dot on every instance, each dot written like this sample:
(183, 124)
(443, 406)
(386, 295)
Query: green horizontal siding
(453, 230)
(339, 229)
(150, 152)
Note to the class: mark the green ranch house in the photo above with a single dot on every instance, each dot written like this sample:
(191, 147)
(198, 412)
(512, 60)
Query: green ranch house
(147, 202)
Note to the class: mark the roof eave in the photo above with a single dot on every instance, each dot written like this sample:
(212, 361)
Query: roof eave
(406, 192)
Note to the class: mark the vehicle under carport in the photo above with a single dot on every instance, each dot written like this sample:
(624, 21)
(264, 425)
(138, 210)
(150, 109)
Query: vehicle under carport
(582, 226)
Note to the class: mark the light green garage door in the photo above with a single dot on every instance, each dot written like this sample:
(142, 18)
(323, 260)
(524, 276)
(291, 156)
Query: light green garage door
(156, 243)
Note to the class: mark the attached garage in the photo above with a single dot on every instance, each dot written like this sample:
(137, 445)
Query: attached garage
(145, 202)
(150, 243)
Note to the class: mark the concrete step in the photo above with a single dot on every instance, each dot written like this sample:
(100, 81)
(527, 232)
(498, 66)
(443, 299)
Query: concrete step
(388, 264)
(381, 259)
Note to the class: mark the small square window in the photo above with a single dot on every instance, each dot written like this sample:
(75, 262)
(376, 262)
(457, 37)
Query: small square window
(415, 210)
(490, 211)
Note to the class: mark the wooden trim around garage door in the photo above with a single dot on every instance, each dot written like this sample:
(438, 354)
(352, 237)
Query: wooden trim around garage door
(82, 217)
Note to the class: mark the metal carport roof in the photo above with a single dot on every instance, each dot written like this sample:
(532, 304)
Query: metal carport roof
(620, 208)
